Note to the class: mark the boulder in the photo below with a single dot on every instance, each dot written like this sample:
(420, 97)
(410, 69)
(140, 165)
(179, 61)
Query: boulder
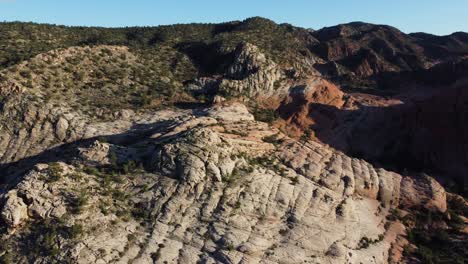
(423, 191)
(61, 128)
(15, 211)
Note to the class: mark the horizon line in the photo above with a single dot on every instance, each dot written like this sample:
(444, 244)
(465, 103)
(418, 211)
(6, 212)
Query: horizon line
(217, 23)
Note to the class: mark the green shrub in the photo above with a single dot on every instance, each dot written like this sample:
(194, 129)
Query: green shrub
(7, 258)
(55, 172)
(25, 74)
(118, 195)
(295, 180)
(130, 166)
(306, 135)
(273, 139)
(91, 171)
(265, 115)
(78, 203)
(75, 231)
(45, 238)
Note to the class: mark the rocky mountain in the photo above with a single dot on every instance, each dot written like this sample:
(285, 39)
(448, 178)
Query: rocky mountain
(360, 54)
(241, 142)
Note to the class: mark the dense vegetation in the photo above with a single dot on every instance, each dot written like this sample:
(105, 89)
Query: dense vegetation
(21, 41)
(159, 61)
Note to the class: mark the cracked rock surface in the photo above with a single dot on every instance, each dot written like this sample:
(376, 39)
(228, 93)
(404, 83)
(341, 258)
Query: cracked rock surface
(214, 186)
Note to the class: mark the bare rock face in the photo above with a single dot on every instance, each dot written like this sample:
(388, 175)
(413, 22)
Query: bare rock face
(93, 171)
(251, 74)
(218, 99)
(8, 88)
(194, 157)
(45, 200)
(308, 105)
(98, 152)
(234, 112)
(383, 129)
(61, 128)
(425, 192)
(42, 127)
(15, 211)
(355, 47)
(214, 190)
(248, 60)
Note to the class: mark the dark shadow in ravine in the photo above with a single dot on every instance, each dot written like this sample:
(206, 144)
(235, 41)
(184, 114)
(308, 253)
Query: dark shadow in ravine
(391, 83)
(420, 135)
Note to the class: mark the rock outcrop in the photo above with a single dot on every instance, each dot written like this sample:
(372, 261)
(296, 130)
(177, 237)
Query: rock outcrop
(251, 74)
(216, 191)
(14, 211)
(241, 142)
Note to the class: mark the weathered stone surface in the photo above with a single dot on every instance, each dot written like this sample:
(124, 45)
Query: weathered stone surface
(219, 196)
(251, 73)
(61, 128)
(14, 211)
(423, 191)
(235, 112)
(92, 172)
(44, 200)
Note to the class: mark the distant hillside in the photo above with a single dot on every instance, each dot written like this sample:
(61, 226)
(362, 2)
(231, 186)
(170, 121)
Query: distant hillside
(345, 52)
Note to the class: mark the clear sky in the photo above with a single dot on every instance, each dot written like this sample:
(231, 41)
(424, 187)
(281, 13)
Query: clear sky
(432, 16)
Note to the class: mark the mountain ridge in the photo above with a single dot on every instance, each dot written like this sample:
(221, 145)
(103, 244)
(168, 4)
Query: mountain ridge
(235, 142)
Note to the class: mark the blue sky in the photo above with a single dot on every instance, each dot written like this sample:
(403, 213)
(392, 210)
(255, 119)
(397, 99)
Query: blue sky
(432, 16)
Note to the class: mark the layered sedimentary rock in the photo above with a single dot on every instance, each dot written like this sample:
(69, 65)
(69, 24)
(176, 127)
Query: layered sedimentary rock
(217, 189)
(153, 151)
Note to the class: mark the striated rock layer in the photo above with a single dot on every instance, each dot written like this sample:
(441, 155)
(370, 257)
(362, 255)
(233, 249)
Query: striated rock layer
(214, 187)
(146, 146)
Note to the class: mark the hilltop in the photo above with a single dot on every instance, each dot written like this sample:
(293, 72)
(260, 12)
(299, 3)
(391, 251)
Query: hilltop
(239, 142)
